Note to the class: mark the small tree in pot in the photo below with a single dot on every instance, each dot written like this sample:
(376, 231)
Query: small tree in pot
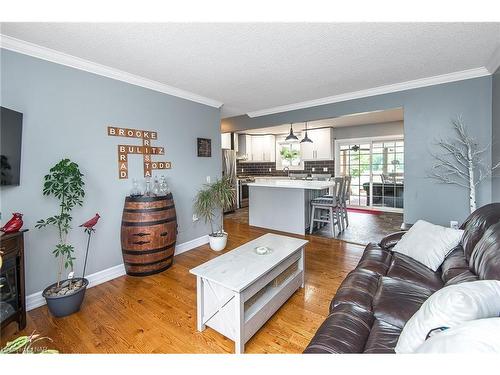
(65, 182)
(209, 204)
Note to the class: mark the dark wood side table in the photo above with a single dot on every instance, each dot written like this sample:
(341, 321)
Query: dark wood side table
(12, 293)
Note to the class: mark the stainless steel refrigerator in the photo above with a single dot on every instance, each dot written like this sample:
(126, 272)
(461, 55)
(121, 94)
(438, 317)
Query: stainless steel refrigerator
(229, 170)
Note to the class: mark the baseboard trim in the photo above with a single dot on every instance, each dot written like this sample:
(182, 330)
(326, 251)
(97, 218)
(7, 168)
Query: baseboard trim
(36, 299)
(189, 245)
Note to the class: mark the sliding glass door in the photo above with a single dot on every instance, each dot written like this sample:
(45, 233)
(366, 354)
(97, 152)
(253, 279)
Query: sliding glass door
(376, 166)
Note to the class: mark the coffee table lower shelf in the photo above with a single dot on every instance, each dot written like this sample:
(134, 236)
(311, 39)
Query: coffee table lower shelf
(239, 315)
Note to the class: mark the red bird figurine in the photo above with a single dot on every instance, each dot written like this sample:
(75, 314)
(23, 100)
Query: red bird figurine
(14, 224)
(89, 224)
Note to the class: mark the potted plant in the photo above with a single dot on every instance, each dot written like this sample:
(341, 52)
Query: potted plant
(209, 204)
(65, 183)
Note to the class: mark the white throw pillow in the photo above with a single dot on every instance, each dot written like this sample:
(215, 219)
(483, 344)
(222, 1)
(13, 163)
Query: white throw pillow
(476, 336)
(428, 243)
(449, 307)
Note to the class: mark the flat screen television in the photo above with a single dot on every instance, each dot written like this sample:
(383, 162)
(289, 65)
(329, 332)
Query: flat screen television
(11, 129)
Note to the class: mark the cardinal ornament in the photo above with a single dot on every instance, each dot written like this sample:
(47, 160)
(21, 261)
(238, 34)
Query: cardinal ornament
(14, 224)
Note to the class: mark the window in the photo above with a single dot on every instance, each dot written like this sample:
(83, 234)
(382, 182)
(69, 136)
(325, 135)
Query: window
(288, 156)
(377, 170)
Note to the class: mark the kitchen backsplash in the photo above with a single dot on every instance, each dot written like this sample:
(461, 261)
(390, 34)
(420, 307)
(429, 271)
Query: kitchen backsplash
(269, 169)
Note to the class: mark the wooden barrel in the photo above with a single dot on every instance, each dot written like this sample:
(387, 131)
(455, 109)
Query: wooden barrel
(148, 235)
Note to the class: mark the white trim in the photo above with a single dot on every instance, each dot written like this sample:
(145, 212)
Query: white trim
(57, 57)
(494, 61)
(423, 82)
(36, 299)
(186, 246)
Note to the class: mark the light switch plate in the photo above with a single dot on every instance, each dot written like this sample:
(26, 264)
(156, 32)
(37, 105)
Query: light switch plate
(325, 169)
(208, 179)
(313, 169)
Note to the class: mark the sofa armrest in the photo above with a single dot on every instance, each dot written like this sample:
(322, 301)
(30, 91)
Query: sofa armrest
(390, 240)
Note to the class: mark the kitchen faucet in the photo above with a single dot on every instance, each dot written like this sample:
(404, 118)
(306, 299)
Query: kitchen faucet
(287, 170)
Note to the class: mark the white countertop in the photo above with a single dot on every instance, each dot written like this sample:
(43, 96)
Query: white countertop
(240, 267)
(294, 184)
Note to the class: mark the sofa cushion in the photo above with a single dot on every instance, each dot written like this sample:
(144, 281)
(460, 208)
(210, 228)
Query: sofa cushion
(476, 224)
(383, 338)
(397, 300)
(358, 288)
(406, 268)
(485, 258)
(375, 259)
(345, 330)
(454, 264)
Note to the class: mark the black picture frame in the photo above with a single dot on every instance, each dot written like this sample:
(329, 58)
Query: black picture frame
(204, 147)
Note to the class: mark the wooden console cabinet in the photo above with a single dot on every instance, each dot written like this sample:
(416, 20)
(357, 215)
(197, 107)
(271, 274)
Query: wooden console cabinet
(12, 294)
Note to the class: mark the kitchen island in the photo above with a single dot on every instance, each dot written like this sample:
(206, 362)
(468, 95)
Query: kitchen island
(284, 205)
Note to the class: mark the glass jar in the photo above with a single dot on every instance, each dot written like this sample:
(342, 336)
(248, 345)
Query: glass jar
(164, 190)
(135, 191)
(147, 190)
(156, 187)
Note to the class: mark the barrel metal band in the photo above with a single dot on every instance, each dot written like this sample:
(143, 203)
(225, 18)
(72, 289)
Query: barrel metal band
(147, 223)
(146, 210)
(152, 251)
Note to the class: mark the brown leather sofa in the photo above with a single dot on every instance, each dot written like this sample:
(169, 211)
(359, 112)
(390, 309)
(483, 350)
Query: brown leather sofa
(378, 297)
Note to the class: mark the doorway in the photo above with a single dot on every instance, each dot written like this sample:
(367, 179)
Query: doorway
(376, 165)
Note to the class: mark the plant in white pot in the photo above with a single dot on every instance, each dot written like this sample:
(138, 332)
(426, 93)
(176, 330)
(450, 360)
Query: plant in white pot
(209, 204)
(64, 182)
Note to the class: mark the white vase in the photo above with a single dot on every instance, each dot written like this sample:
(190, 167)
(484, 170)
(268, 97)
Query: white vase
(217, 243)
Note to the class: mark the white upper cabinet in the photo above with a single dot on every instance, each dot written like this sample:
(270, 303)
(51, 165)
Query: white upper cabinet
(263, 148)
(226, 141)
(322, 146)
(244, 147)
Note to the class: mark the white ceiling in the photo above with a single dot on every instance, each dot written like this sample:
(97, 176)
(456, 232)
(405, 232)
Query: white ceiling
(250, 67)
(366, 118)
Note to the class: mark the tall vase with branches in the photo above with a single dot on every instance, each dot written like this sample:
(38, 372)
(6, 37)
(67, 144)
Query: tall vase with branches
(461, 161)
(65, 182)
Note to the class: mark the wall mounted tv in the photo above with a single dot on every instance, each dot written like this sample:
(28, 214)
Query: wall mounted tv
(11, 129)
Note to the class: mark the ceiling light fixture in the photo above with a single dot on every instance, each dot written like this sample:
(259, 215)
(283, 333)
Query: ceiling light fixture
(291, 136)
(306, 138)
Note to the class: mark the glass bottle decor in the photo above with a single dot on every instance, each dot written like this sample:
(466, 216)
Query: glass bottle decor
(147, 191)
(156, 187)
(164, 190)
(135, 191)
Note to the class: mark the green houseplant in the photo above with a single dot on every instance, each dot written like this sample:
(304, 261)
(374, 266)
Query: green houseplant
(289, 155)
(64, 182)
(209, 203)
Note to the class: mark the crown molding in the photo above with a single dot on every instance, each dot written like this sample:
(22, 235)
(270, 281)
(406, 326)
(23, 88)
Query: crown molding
(494, 61)
(61, 58)
(423, 82)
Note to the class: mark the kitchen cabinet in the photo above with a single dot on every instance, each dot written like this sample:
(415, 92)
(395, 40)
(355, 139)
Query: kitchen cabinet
(322, 146)
(256, 148)
(226, 141)
(263, 148)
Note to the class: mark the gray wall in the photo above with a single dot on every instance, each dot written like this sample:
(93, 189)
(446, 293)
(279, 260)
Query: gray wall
(370, 130)
(495, 186)
(427, 114)
(66, 113)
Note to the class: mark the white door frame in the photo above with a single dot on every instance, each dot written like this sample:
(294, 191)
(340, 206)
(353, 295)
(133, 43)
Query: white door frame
(370, 140)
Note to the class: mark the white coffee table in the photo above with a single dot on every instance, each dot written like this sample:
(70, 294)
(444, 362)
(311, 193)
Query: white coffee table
(240, 290)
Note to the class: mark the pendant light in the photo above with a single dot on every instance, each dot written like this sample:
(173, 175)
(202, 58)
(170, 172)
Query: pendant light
(291, 136)
(306, 138)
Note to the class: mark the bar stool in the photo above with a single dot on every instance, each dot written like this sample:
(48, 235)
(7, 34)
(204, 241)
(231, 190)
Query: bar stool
(346, 195)
(330, 204)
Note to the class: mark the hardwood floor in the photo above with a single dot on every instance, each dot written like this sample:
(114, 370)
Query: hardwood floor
(157, 314)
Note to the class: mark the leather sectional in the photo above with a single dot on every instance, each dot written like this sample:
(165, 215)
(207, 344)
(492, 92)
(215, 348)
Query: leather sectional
(381, 294)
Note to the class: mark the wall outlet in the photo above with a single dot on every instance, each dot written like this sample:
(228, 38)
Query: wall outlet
(269, 169)
(195, 218)
(208, 179)
(454, 224)
(242, 170)
(325, 169)
(313, 169)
